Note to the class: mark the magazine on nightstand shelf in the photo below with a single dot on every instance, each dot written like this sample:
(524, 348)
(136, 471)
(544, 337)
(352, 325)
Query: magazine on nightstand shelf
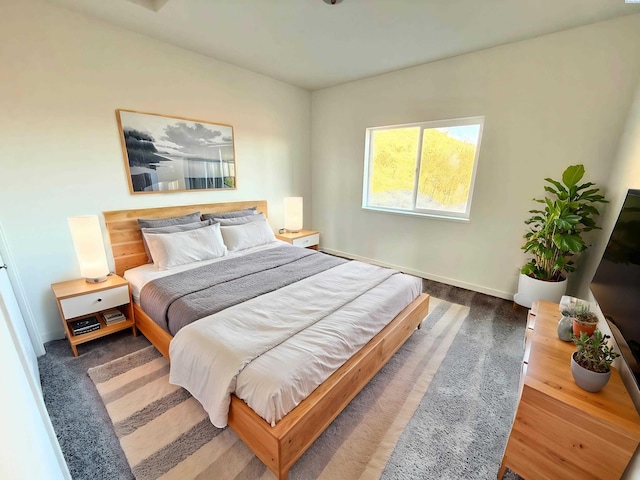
(113, 316)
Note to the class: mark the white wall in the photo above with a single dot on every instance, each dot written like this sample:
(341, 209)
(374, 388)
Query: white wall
(62, 76)
(549, 102)
(625, 175)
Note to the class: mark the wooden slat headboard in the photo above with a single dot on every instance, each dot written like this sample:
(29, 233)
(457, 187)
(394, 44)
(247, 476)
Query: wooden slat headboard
(125, 236)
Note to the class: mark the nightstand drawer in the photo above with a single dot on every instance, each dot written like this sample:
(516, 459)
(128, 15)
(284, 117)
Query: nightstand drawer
(307, 241)
(94, 302)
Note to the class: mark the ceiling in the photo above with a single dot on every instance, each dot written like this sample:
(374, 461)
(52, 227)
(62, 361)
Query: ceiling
(314, 45)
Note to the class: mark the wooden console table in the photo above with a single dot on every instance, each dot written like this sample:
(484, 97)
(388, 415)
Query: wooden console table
(559, 430)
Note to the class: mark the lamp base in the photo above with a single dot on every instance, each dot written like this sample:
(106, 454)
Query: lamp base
(96, 280)
(291, 231)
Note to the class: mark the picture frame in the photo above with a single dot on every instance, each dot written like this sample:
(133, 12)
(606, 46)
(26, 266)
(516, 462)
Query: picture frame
(164, 153)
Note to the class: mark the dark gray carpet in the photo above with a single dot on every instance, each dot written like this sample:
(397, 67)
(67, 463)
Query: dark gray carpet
(79, 418)
(459, 430)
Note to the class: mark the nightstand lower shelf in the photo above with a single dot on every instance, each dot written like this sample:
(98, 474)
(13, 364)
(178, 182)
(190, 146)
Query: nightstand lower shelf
(101, 332)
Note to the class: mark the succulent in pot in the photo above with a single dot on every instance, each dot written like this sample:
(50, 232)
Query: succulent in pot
(591, 362)
(582, 318)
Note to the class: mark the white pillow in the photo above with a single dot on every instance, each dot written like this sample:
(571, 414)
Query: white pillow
(179, 248)
(240, 237)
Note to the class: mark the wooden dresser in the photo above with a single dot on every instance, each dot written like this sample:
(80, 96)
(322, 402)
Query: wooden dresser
(561, 431)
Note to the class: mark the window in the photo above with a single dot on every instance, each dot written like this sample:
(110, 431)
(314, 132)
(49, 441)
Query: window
(422, 168)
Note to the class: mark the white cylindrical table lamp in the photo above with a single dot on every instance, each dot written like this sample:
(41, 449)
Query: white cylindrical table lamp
(88, 243)
(293, 214)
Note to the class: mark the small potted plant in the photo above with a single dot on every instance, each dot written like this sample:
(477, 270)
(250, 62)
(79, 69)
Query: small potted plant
(582, 319)
(591, 363)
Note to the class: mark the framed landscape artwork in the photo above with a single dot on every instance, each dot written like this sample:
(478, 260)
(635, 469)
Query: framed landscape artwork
(173, 154)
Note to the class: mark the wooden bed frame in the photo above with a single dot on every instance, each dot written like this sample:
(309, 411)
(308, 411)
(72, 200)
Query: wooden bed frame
(280, 446)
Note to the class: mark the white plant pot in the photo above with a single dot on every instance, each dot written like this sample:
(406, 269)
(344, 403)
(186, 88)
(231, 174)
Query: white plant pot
(588, 380)
(531, 289)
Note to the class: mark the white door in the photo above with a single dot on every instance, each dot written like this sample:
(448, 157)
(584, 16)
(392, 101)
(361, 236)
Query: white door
(26, 432)
(10, 307)
(30, 449)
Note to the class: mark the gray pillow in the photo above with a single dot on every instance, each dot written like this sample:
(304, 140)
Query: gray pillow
(165, 222)
(179, 228)
(237, 213)
(147, 224)
(228, 222)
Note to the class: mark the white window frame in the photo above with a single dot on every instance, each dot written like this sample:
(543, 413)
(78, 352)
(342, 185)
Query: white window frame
(455, 122)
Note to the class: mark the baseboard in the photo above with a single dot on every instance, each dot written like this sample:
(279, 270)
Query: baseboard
(425, 275)
(51, 335)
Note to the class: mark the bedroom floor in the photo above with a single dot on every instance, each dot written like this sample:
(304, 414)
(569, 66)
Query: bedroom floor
(84, 429)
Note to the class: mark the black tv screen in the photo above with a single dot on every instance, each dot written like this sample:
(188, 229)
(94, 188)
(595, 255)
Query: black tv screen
(616, 284)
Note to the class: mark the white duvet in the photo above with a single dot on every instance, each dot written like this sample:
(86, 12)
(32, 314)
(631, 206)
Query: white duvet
(274, 350)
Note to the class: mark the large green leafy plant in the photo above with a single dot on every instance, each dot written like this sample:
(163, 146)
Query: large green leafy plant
(555, 233)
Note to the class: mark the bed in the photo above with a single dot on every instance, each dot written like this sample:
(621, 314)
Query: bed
(277, 444)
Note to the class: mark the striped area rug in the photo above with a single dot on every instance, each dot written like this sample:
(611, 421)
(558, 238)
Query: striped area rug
(165, 433)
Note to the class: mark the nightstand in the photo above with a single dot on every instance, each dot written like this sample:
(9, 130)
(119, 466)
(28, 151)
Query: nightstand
(303, 238)
(78, 299)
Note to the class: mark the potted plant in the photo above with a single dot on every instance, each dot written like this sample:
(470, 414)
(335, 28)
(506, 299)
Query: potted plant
(555, 236)
(591, 363)
(582, 319)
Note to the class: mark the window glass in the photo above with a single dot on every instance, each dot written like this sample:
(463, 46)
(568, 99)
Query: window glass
(393, 169)
(442, 154)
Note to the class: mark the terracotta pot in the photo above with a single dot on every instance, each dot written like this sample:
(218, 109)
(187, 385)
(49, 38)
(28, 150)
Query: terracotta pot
(579, 326)
(586, 379)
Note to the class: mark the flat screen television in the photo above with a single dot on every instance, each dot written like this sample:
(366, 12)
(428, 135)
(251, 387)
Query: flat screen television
(616, 283)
